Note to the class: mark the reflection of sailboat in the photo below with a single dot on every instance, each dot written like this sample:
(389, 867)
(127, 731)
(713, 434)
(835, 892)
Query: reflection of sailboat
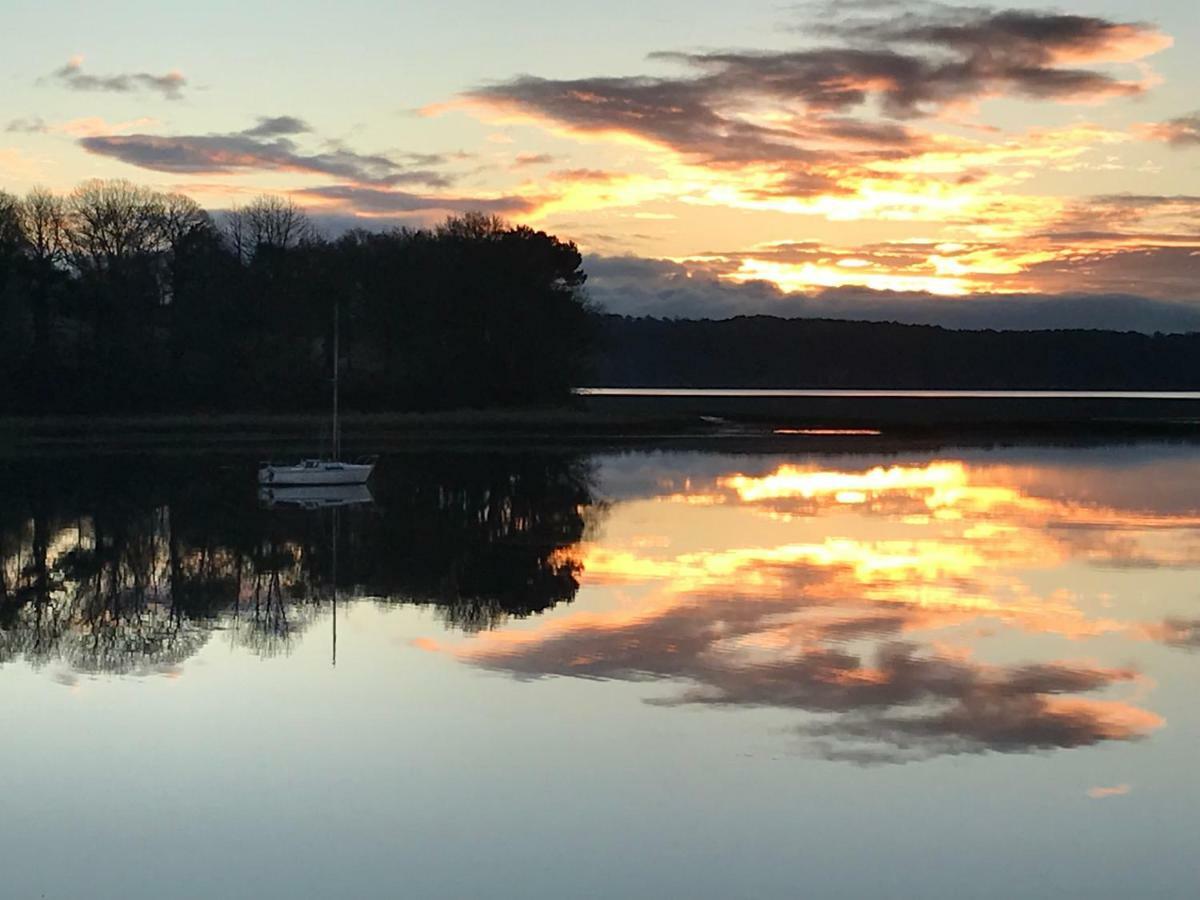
(333, 616)
(315, 496)
(333, 471)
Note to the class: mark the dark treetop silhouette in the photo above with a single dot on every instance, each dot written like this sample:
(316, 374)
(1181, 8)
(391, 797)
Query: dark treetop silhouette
(117, 298)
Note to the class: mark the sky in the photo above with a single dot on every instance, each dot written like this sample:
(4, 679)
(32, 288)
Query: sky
(966, 165)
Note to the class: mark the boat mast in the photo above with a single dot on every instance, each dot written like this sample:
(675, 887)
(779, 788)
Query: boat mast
(337, 442)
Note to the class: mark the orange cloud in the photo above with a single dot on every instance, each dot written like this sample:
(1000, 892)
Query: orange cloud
(868, 127)
(1118, 790)
(93, 126)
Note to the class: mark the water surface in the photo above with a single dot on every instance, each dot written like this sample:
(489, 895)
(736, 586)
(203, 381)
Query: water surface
(894, 394)
(927, 674)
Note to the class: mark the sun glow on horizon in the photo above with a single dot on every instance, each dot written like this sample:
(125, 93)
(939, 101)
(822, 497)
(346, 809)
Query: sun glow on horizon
(1009, 132)
(792, 278)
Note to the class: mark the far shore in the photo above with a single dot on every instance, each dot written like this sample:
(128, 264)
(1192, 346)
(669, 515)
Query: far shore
(766, 422)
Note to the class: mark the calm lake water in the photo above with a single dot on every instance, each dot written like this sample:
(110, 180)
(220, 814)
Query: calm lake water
(958, 673)
(784, 393)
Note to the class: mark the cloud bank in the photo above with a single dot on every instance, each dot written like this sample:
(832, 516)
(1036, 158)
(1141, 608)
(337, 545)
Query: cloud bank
(636, 286)
(1182, 131)
(169, 85)
(913, 66)
(269, 145)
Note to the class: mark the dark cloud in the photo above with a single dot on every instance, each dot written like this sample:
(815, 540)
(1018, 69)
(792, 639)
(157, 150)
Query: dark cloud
(1167, 271)
(598, 176)
(882, 134)
(30, 125)
(437, 159)
(647, 287)
(377, 201)
(1026, 37)
(677, 113)
(910, 65)
(686, 116)
(1183, 131)
(265, 146)
(170, 84)
(272, 126)
(636, 286)
(532, 159)
(1007, 51)
(1121, 244)
(1130, 211)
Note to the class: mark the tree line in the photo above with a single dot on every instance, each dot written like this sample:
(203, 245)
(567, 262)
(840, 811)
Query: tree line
(769, 352)
(119, 298)
(116, 298)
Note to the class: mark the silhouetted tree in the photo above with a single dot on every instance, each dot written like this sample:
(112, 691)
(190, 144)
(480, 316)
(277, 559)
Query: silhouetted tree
(122, 298)
(268, 222)
(12, 237)
(12, 241)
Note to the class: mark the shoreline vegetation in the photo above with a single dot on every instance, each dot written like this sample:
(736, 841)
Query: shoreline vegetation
(770, 352)
(120, 304)
(119, 299)
(767, 424)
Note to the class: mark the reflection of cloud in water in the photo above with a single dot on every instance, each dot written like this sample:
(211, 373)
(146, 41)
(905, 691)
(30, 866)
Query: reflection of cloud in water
(1066, 520)
(862, 613)
(896, 705)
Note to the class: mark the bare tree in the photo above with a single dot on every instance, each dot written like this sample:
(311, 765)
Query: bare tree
(473, 226)
(112, 222)
(181, 217)
(279, 222)
(43, 223)
(268, 221)
(236, 231)
(44, 226)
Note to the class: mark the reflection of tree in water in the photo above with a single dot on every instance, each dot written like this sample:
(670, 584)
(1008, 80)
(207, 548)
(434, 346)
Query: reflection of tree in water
(482, 542)
(278, 604)
(95, 599)
(129, 568)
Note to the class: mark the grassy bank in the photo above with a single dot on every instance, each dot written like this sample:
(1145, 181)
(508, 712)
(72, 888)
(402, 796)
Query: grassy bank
(658, 421)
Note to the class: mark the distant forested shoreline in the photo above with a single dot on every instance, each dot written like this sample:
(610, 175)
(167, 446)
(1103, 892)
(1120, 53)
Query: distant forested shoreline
(769, 352)
(116, 299)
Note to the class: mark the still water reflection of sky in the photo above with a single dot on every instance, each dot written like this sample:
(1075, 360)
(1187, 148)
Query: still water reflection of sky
(935, 674)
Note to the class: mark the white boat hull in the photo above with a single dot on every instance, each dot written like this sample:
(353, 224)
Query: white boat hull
(315, 472)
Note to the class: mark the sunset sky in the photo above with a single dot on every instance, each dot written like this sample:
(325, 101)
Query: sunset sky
(903, 160)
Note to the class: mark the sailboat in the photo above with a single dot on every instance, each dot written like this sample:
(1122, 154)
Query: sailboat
(321, 472)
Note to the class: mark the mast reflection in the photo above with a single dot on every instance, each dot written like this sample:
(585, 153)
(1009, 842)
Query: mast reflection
(132, 569)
